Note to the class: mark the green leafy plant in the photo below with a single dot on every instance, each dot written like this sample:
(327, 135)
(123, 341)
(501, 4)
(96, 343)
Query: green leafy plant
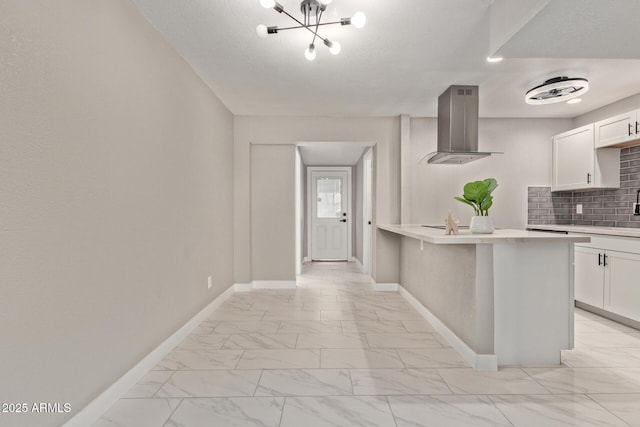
(477, 194)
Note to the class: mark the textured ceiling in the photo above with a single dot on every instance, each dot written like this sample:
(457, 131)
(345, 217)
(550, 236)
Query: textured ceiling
(409, 52)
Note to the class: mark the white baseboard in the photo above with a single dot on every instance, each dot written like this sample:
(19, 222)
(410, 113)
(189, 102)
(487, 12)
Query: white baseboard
(273, 284)
(242, 287)
(94, 410)
(306, 260)
(386, 287)
(479, 362)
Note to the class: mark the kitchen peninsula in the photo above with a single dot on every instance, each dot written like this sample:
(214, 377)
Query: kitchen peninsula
(499, 299)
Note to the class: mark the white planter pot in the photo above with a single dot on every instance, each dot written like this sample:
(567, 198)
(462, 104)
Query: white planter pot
(481, 225)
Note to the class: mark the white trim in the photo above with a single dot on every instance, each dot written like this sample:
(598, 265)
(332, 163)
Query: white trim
(299, 211)
(306, 260)
(479, 362)
(94, 410)
(486, 362)
(386, 287)
(242, 287)
(358, 263)
(367, 210)
(273, 284)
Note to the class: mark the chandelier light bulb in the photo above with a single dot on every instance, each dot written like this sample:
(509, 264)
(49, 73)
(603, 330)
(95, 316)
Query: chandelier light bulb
(335, 48)
(310, 52)
(325, 2)
(261, 31)
(358, 20)
(268, 4)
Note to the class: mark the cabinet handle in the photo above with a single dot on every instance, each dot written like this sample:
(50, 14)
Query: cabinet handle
(605, 260)
(588, 178)
(637, 124)
(599, 259)
(630, 128)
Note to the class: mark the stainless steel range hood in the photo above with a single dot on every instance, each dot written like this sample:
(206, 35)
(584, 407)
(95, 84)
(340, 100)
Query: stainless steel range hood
(457, 127)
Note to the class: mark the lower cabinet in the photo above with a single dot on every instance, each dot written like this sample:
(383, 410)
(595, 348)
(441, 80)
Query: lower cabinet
(589, 276)
(622, 284)
(608, 279)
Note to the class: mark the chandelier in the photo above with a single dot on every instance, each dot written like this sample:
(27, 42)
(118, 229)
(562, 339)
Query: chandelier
(312, 11)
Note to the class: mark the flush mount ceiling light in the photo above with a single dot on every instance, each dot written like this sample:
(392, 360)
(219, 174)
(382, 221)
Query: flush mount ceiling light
(312, 11)
(558, 89)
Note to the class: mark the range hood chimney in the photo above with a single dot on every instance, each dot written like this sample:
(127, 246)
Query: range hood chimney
(457, 127)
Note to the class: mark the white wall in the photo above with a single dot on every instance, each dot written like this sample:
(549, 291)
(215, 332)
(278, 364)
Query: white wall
(620, 107)
(273, 223)
(116, 203)
(384, 132)
(526, 144)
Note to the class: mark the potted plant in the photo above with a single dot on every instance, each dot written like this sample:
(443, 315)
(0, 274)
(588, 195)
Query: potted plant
(477, 194)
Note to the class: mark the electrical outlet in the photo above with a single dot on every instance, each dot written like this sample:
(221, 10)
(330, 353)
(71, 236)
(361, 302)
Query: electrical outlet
(209, 282)
(579, 209)
(636, 208)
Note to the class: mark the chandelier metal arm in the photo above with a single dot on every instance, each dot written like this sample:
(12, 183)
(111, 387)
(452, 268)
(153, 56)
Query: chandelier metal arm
(302, 25)
(294, 18)
(315, 32)
(318, 25)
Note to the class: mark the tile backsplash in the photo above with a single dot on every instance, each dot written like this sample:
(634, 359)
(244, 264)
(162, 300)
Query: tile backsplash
(601, 208)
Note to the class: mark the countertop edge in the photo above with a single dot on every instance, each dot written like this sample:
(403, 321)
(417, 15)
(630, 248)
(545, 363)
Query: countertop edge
(436, 236)
(585, 229)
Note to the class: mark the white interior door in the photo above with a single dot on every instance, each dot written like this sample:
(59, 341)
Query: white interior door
(330, 209)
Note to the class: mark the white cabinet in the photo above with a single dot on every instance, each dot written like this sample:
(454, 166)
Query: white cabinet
(618, 131)
(589, 276)
(623, 296)
(578, 165)
(609, 279)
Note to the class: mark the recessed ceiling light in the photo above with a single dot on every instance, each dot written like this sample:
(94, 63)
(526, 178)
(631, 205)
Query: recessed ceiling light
(494, 59)
(574, 101)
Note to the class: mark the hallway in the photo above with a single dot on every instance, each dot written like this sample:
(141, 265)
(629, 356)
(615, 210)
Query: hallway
(336, 353)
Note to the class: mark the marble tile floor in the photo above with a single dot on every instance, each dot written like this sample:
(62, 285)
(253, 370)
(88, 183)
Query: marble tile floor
(336, 353)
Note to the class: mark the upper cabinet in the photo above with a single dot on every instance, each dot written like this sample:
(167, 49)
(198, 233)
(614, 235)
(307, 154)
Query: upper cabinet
(579, 165)
(618, 131)
(573, 159)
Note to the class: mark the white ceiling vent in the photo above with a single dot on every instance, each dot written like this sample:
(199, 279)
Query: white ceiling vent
(558, 89)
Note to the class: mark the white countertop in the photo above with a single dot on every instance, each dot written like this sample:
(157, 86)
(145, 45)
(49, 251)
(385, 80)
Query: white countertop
(610, 231)
(438, 236)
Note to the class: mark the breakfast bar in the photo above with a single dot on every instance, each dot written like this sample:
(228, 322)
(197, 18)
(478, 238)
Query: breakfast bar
(500, 299)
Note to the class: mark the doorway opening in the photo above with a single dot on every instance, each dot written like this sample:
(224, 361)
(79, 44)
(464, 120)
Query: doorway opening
(334, 203)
